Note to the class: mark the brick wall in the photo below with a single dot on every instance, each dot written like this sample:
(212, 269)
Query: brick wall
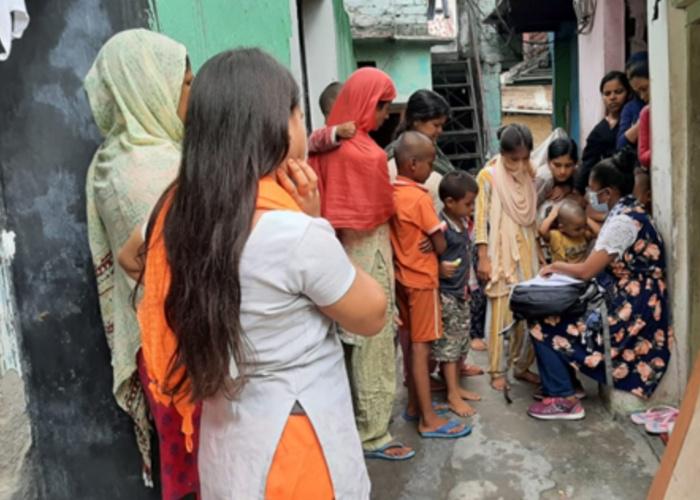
(388, 18)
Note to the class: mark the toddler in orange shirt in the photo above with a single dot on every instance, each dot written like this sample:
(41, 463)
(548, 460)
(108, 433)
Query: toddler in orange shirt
(417, 278)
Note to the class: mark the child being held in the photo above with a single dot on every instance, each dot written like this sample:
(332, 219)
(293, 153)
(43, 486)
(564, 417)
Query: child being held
(417, 278)
(569, 241)
(458, 192)
(327, 138)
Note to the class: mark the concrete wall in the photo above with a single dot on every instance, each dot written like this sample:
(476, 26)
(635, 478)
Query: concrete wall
(15, 428)
(408, 63)
(82, 444)
(210, 26)
(672, 181)
(693, 188)
(600, 51)
(324, 40)
(539, 125)
(494, 54)
(343, 44)
(388, 18)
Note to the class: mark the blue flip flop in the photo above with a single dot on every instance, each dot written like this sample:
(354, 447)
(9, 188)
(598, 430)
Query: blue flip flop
(381, 453)
(416, 418)
(444, 431)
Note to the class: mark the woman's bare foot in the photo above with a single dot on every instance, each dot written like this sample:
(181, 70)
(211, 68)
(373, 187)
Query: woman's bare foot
(398, 452)
(460, 407)
(529, 377)
(478, 345)
(498, 383)
(434, 423)
(469, 395)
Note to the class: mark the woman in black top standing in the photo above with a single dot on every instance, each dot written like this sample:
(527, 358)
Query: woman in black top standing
(600, 144)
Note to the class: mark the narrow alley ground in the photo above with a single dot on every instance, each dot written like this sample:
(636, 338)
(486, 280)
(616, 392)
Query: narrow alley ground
(510, 456)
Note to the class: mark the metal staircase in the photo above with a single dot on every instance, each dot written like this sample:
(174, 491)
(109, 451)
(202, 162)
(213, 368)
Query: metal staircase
(462, 140)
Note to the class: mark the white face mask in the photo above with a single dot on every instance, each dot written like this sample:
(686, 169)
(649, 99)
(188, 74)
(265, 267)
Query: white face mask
(592, 197)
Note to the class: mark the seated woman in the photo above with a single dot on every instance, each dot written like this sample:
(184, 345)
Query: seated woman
(629, 261)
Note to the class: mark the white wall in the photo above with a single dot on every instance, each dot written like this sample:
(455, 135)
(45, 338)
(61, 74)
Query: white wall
(600, 51)
(321, 52)
(669, 98)
(320, 44)
(295, 46)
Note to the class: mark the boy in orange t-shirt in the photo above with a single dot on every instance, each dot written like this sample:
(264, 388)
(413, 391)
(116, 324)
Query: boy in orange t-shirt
(417, 278)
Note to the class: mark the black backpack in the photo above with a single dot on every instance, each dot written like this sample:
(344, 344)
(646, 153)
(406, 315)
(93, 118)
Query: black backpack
(530, 302)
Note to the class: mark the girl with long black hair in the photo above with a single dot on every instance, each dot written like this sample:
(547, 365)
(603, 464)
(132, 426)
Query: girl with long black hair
(240, 289)
(426, 112)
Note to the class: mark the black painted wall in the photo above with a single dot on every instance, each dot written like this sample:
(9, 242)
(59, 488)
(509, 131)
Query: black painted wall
(83, 444)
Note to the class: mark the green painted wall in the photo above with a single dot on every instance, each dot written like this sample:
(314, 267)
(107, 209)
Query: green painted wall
(408, 64)
(346, 51)
(207, 27)
(565, 73)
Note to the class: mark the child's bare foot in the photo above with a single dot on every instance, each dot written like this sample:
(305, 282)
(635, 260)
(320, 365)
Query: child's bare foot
(478, 345)
(411, 409)
(460, 407)
(529, 377)
(411, 413)
(469, 395)
(434, 423)
(498, 383)
(470, 370)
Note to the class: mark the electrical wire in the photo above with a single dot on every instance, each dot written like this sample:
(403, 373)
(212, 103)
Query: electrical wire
(585, 15)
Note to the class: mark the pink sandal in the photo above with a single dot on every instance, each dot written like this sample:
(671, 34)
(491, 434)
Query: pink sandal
(655, 414)
(661, 423)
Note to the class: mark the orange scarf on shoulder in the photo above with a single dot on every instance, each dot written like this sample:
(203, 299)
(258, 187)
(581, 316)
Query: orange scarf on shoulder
(158, 341)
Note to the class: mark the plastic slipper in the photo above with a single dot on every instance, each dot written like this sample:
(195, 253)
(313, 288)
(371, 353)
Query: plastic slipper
(662, 424)
(381, 453)
(438, 408)
(444, 431)
(642, 417)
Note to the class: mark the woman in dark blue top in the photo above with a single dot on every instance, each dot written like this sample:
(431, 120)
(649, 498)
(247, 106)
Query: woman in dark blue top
(638, 73)
(601, 142)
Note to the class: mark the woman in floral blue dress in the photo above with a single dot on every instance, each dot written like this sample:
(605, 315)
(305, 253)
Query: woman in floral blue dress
(628, 259)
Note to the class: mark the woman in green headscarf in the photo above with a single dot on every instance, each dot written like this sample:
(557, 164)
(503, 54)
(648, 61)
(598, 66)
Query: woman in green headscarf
(138, 89)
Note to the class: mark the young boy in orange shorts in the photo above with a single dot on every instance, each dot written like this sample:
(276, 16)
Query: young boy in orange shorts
(417, 280)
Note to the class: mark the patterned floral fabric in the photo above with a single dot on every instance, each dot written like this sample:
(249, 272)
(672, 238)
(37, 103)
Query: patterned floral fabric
(637, 314)
(134, 89)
